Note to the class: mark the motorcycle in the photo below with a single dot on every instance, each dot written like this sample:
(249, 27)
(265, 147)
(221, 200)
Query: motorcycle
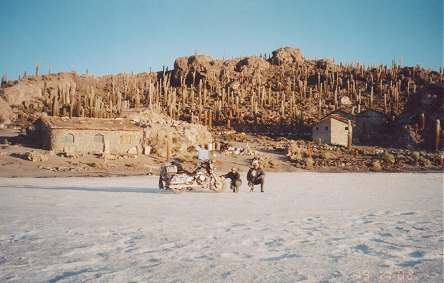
(172, 177)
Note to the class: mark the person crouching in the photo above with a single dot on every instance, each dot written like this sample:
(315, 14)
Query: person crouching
(235, 178)
(255, 176)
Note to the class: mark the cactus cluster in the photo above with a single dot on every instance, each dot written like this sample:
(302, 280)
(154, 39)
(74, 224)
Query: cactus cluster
(273, 94)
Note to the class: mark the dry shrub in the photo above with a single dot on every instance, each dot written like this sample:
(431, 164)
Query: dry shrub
(97, 165)
(266, 162)
(425, 161)
(416, 155)
(292, 148)
(376, 166)
(328, 155)
(388, 157)
(309, 162)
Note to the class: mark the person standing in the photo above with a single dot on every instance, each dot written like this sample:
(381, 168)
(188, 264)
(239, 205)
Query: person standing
(255, 176)
(235, 178)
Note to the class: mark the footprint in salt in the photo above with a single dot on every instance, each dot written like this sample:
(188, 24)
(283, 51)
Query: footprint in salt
(153, 262)
(417, 254)
(275, 243)
(363, 248)
(287, 255)
(410, 263)
(408, 213)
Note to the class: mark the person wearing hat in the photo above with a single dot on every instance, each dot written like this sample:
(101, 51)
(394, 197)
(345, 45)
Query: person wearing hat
(235, 178)
(255, 176)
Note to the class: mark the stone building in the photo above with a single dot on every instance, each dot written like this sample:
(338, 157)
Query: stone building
(341, 113)
(369, 123)
(89, 135)
(332, 129)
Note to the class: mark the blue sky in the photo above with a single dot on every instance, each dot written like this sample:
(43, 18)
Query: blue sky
(111, 37)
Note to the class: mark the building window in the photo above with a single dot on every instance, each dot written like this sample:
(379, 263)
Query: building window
(69, 138)
(98, 138)
(326, 128)
(317, 128)
(346, 128)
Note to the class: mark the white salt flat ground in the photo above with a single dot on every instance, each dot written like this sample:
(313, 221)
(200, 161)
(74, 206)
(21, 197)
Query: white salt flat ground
(309, 227)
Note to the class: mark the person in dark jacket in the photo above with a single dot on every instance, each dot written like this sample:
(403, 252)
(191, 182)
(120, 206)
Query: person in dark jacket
(235, 178)
(255, 176)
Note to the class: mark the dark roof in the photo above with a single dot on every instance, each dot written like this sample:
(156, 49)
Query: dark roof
(80, 123)
(363, 113)
(344, 114)
(336, 117)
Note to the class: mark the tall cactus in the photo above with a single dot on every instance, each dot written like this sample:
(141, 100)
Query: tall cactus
(4, 78)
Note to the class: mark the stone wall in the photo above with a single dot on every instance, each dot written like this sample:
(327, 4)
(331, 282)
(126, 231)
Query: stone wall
(96, 141)
(339, 131)
(369, 123)
(321, 131)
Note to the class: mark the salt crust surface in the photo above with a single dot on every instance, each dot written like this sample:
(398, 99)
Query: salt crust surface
(307, 227)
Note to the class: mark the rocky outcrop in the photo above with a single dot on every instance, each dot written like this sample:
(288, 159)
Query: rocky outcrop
(287, 55)
(249, 65)
(190, 70)
(325, 64)
(159, 129)
(6, 114)
(25, 90)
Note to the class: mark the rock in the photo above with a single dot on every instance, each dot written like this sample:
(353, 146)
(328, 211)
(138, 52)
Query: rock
(234, 85)
(23, 91)
(160, 128)
(6, 114)
(345, 100)
(147, 150)
(199, 60)
(109, 156)
(195, 68)
(325, 64)
(35, 156)
(181, 64)
(180, 69)
(250, 65)
(133, 151)
(287, 55)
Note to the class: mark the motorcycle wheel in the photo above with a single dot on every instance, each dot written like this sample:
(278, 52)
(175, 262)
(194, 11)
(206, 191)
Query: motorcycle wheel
(178, 190)
(219, 185)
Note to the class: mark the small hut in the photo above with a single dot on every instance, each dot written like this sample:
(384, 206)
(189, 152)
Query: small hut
(332, 129)
(89, 135)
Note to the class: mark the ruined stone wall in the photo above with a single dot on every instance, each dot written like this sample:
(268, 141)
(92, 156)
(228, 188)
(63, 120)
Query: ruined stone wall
(372, 122)
(96, 141)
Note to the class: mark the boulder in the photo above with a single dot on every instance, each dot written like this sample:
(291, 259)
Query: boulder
(250, 65)
(195, 68)
(287, 55)
(21, 92)
(159, 129)
(344, 100)
(35, 156)
(199, 60)
(325, 64)
(6, 113)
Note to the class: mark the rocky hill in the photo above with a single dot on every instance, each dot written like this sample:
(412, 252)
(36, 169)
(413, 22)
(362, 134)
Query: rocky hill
(279, 93)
